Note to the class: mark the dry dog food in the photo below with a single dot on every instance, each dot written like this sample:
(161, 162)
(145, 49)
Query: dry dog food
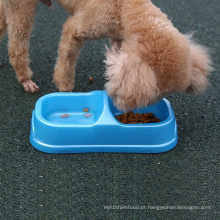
(88, 115)
(85, 109)
(65, 116)
(90, 79)
(136, 118)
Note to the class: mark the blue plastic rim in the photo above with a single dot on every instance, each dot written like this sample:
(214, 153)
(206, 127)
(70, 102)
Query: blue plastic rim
(85, 123)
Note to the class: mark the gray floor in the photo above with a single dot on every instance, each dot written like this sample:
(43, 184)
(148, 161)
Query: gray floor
(183, 182)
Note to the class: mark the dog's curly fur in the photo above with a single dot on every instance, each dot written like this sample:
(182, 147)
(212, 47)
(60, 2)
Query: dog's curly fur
(149, 58)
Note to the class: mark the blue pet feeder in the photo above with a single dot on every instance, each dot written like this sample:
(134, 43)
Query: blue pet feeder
(85, 123)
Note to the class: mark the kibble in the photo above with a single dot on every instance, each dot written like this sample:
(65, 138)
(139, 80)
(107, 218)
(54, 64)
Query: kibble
(65, 116)
(137, 118)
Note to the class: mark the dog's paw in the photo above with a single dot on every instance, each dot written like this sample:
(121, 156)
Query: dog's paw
(63, 84)
(30, 86)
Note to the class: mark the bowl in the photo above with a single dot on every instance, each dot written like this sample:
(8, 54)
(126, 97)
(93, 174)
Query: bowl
(86, 123)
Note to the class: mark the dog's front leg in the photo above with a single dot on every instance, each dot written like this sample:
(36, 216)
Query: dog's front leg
(70, 45)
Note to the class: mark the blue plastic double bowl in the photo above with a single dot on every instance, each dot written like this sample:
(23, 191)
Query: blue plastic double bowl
(86, 123)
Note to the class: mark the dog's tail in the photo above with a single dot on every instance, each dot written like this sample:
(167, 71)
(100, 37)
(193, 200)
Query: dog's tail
(131, 82)
(201, 66)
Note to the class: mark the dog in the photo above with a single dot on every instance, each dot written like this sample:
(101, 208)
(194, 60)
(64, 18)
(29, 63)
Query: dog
(148, 60)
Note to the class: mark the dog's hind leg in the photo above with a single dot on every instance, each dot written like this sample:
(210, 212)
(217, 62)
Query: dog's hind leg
(70, 45)
(20, 18)
(3, 24)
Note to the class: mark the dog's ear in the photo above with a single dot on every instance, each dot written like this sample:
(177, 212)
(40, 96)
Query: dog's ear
(131, 82)
(47, 2)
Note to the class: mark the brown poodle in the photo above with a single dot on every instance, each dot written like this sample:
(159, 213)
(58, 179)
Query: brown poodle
(149, 58)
